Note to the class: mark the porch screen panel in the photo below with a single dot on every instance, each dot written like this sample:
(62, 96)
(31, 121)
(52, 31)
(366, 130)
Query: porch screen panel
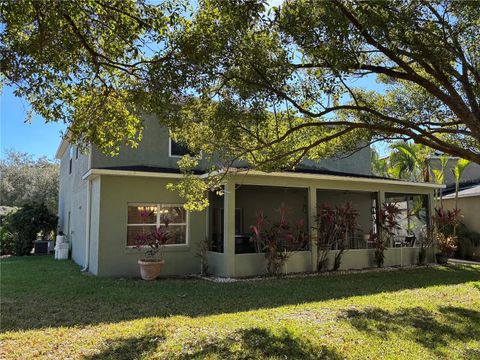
(412, 218)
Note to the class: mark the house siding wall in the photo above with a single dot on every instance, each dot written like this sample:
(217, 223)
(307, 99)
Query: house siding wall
(73, 200)
(470, 210)
(153, 151)
(114, 257)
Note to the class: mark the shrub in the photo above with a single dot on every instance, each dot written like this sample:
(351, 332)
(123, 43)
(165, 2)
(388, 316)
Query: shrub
(468, 243)
(388, 221)
(278, 239)
(326, 234)
(334, 228)
(446, 223)
(29, 221)
(7, 240)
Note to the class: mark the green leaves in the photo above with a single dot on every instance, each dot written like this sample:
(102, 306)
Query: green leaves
(460, 166)
(84, 62)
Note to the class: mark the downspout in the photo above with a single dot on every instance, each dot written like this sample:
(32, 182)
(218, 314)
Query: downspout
(87, 226)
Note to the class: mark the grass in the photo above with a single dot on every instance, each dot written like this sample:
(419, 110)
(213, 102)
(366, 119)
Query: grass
(50, 310)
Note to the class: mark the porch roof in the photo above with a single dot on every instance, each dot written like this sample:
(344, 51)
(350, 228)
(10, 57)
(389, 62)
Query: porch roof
(320, 174)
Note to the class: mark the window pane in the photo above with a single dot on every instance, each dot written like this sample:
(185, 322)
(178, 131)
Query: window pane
(178, 234)
(135, 232)
(146, 214)
(175, 214)
(178, 149)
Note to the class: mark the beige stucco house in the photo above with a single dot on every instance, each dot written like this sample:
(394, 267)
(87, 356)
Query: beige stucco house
(101, 196)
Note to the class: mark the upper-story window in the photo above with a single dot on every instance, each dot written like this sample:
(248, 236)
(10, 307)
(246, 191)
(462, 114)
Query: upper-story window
(70, 158)
(177, 149)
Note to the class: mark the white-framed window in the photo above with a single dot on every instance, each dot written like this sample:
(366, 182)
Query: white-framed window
(145, 217)
(176, 149)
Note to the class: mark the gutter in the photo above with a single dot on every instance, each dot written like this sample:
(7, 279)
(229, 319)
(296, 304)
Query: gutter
(330, 177)
(92, 173)
(96, 172)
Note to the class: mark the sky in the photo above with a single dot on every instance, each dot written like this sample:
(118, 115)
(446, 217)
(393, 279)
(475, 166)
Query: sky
(36, 138)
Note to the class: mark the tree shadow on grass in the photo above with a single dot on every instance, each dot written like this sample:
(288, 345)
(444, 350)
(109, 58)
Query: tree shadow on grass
(252, 343)
(138, 347)
(432, 330)
(39, 293)
(260, 343)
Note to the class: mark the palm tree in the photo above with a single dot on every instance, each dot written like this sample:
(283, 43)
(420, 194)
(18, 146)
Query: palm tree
(460, 166)
(379, 165)
(439, 176)
(409, 161)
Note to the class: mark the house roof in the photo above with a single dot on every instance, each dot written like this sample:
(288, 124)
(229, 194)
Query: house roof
(464, 185)
(62, 147)
(469, 192)
(150, 171)
(153, 169)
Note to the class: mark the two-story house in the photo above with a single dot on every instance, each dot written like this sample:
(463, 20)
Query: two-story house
(101, 198)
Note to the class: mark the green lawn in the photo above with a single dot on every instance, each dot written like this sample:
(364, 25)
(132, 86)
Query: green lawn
(49, 309)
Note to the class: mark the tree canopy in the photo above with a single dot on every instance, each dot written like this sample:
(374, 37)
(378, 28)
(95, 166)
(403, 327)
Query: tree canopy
(269, 86)
(25, 179)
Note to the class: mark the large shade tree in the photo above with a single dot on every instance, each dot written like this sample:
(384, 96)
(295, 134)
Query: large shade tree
(25, 179)
(268, 86)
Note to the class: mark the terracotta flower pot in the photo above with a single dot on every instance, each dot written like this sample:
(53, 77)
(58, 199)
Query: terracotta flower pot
(150, 269)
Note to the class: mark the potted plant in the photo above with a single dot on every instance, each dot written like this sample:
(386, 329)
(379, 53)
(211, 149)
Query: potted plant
(447, 246)
(154, 242)
(444, 233)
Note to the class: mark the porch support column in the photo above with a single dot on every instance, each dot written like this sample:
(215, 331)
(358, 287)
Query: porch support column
(312, 215)
(229, 228)
(431, 213)
(381, 201)
(381, 198)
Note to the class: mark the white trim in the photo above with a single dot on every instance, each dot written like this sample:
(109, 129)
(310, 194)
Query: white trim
(87, 226)
(158, 223)
(63, 146)
(330, 177)
(461, 196)
(95, 172)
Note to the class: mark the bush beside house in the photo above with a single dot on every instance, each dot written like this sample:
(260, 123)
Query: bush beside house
(20, 228)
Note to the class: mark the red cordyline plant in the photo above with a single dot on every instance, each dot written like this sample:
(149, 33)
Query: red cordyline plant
(278, 239)
(346, 222)
(445, 222)
(153, 240)
(326, 234)
(335, 226)
(388, 222)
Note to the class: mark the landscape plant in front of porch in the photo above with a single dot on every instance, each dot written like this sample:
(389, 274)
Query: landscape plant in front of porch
(346, 223)
(388, 222)
(445, 223)
(326, 234)
(278, 239)
(154, 241)
(335, 226)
